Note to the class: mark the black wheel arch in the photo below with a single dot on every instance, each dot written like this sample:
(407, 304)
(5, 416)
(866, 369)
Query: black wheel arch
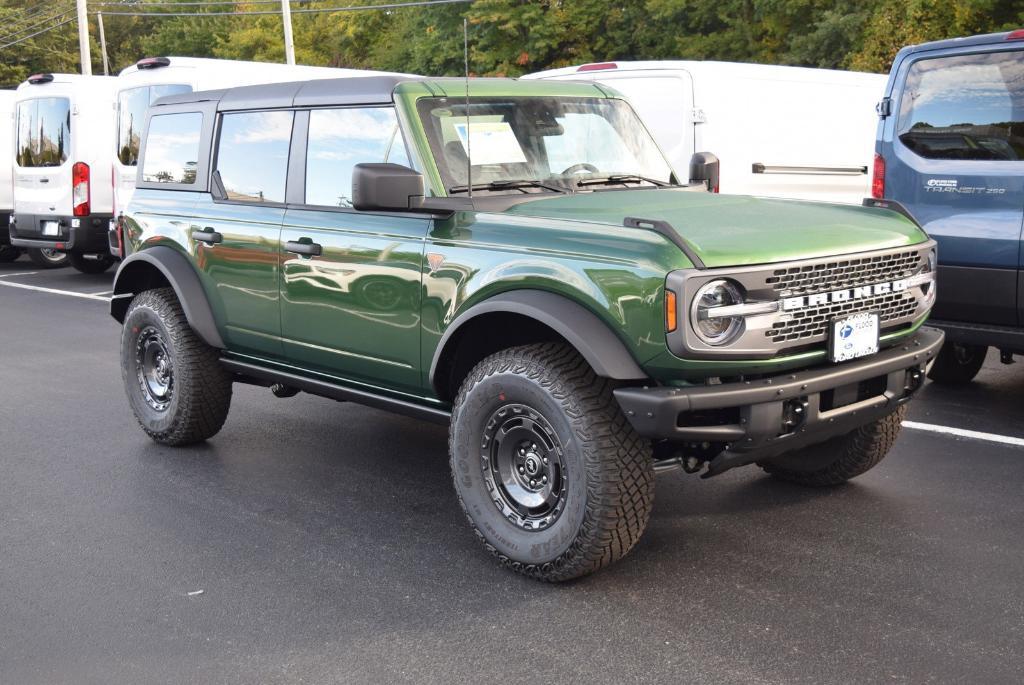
(606, 354)
(162, 266)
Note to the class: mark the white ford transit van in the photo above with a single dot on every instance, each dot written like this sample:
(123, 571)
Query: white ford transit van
(786, 132)
(63, 151)
(151, 78)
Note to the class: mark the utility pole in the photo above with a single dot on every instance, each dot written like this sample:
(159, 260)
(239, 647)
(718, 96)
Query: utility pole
(103, 43)
(83, 38)
(289, 42)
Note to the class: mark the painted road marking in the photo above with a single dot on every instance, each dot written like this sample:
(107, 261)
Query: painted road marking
(54, 291)
(19, 273)
(963, 433)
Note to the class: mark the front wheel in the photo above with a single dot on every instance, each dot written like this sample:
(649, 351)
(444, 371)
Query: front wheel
(844, 457)
(90, 264)
(957, 363)
(46, 258)
(553, 478)
(176, 386)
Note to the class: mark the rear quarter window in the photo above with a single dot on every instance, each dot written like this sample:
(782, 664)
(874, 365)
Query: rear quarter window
(43, 133)
(968, 107)
(171, 152)
(131, 114)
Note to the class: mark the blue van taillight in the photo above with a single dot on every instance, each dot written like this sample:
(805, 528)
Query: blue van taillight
(878, 178)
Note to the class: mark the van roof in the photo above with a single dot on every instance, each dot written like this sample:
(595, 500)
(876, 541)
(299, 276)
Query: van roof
(708, 68)
(372, 90)
(967, 41)
(71, 79)
(156, 64)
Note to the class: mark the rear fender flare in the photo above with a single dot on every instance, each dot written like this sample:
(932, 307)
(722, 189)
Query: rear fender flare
(135, 272)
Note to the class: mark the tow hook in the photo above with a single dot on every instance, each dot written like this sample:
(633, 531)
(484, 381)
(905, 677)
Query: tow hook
(915, 379)
(282, 390)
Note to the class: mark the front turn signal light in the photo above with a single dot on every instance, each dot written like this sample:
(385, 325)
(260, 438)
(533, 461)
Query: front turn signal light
(671, 312)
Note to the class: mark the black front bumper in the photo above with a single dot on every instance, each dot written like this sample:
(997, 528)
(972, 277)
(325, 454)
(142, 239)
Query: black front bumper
(83, 234)
(759, 419)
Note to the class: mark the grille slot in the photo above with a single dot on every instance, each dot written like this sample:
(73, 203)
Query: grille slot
(844, 273)
(812, 322)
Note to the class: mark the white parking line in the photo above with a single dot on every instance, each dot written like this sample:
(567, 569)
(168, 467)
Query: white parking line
(963, 433)
(54, 291)
(19, 273)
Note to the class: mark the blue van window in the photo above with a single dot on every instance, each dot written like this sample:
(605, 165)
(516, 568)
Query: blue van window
(965, 107)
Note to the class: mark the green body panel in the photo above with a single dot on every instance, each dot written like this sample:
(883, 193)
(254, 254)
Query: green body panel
(373, 307)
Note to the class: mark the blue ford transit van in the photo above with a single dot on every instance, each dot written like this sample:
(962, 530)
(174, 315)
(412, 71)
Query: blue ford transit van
(950, 151)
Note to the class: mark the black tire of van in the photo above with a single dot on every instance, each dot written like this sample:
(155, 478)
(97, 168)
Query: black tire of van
(9, 253)
(566, 486)
(957, 363)
(178, 390)
(90, 264)
(836, 461)
(46, 258)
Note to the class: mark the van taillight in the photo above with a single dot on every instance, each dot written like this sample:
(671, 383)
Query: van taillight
(80, 189)
(878, 178)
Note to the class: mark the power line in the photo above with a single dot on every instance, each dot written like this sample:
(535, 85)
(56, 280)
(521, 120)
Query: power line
(415, 3)
(128, 3)
(18, 33)
(37, 33)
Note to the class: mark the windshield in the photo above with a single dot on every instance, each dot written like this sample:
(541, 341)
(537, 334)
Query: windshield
(550, 143)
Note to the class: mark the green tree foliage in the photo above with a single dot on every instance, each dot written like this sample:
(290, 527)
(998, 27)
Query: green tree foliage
(512, 37)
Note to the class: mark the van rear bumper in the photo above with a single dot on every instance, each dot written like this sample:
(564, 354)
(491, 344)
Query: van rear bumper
(74, 234)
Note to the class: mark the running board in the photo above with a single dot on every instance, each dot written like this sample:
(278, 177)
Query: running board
(338, 392)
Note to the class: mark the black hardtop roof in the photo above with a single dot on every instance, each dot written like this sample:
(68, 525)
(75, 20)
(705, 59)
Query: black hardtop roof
(355, 90)
(966, 41)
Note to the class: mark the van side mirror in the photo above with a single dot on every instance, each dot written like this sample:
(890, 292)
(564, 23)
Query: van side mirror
(704, 169)
(386, 186)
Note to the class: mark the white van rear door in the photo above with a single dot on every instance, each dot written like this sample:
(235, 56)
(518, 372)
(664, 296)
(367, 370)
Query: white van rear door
(42, 170)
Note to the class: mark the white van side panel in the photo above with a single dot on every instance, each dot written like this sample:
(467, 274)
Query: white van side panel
(6, 152)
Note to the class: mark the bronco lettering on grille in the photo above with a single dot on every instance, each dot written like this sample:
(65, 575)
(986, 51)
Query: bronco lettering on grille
(860, 292)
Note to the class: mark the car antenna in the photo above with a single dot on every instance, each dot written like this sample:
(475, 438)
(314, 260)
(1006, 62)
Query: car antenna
(469, 145)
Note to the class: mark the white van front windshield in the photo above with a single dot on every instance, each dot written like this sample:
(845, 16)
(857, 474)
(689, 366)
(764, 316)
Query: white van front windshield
(521, 144)
(43, 132)
(131, 115)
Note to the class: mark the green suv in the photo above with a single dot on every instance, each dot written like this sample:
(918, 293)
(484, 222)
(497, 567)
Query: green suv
(517, 260)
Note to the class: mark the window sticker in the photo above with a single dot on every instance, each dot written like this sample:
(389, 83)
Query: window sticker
(490, 142)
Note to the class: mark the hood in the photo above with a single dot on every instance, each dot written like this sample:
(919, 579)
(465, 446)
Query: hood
(735, 230)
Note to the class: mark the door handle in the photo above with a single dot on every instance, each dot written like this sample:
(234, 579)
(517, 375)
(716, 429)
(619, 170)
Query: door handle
(208, 236)
(307, 249)
(44, 180)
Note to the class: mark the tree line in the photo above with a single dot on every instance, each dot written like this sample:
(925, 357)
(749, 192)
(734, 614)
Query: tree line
(513, 37)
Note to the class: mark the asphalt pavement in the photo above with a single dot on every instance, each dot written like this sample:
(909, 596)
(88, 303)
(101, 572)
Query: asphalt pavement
(319, 542)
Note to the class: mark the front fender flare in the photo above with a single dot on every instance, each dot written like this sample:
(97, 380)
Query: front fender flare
(179, 272)
(591, 336)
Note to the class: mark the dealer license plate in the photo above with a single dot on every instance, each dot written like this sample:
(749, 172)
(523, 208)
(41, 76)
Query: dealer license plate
(853, 336)
(51, 228)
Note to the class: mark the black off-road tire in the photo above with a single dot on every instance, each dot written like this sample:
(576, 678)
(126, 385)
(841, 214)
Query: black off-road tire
(200, 388)
(957, 364)
(608, 468)
(844, 457)
(9, 253)
(49, 259)
(97, 265)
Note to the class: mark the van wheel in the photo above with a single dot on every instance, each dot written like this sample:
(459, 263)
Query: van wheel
(175, 383)
(90, 264)
(9, 253)
(957, 363)
(552, 477)
(836, 461)
(46, 258)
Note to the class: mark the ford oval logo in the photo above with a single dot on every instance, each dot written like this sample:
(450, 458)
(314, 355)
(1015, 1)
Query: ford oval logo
(846, 331)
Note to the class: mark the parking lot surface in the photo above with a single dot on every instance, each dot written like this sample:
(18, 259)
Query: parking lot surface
(312, 541)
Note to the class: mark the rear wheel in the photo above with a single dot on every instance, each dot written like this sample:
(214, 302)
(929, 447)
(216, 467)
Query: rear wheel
(957, 363)
(844, 457)
(553, 478)
(46, 258)
(90, 264)
(175, 383)
(8, 253)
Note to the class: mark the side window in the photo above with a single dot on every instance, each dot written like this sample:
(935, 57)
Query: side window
(965, 107)
(172, 148)
(252, 155)
(341, 138)
(131, 112)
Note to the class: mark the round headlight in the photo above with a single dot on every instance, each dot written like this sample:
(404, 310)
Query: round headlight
(711, 328)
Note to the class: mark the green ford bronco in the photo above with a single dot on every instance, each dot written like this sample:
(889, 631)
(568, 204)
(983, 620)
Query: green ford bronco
(517, 260)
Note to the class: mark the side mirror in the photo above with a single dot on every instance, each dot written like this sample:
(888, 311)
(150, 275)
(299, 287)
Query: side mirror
(387, 186)
(704, 169)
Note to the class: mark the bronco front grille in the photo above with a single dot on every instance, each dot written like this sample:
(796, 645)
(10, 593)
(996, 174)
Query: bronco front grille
(812, 322)
(844, 273)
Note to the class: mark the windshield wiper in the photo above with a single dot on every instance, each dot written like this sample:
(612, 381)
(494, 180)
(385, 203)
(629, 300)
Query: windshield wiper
(621, 179)
(509, 184)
